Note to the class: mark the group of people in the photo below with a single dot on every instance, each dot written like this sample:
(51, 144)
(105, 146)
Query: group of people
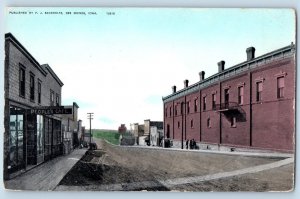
(192, 144)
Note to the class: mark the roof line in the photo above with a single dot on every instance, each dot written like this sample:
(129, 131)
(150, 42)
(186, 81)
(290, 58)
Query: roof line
(11, 37)
(264, 56)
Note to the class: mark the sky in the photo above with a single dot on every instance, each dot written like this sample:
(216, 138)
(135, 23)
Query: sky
(119, 62)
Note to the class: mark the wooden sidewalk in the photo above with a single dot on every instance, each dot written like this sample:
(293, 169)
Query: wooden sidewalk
(46, 176)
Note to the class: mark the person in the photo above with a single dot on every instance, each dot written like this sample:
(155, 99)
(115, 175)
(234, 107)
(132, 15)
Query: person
(187, 144)
(191, 144)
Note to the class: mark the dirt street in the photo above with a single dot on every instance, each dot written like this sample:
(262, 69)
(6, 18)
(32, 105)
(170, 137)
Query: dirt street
(131, 168)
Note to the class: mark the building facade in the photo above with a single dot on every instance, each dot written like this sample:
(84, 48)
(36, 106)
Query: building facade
(30, 138)
(249, 105)
(71, 128)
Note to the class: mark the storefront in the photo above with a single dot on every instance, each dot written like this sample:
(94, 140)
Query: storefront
(33, 139)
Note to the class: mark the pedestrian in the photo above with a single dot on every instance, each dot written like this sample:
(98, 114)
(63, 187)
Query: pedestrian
(187, 144)
(191, 144)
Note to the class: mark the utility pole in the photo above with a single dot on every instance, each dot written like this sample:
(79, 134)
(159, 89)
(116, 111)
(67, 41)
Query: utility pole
(90, 117)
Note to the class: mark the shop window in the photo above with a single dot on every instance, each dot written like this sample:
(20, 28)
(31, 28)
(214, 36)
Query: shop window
(39, 91)
(233, 122)
(31, 87)
(280, 87)
(241, 95)
(204, 103)
(22, 82)
(214, 101)
(259, 88)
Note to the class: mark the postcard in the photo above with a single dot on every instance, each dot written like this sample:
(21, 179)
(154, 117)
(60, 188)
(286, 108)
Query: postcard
(149, 99)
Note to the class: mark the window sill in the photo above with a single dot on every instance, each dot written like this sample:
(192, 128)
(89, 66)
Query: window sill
(233, 127)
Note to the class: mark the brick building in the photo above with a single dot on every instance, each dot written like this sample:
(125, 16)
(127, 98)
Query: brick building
(31, 137)
(249, 105)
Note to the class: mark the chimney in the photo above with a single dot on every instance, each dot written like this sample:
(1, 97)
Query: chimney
(174, 89)
(186, 83)
(221, 65)
(202, 74)
(250, 53)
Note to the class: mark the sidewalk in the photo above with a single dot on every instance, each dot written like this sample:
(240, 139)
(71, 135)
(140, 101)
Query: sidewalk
(46, 176)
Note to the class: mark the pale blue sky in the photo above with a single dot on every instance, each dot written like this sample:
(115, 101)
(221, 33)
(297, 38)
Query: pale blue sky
(119, 66)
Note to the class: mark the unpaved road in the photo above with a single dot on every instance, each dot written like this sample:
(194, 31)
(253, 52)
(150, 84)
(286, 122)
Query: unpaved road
(131, 168)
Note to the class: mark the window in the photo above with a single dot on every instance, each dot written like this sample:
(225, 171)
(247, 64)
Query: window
(204, 103)
(214, 100)
(31, 87)
(178, 124)
(195, 105)
(241, 95)
(192, 124)
(57, 100)
(39, 91)
(280, 87)
(181, 109)
(208, 123)
(259, 88)
(170, 111)
(233, 122)
(226, 97)
(188, 107)
(22, 82)
(166, 112)
(175, 109)
(51, 98)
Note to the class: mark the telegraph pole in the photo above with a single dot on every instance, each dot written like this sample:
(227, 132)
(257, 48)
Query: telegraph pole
(90, 117)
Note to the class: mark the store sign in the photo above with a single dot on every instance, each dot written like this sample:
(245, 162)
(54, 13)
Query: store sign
(51, 110)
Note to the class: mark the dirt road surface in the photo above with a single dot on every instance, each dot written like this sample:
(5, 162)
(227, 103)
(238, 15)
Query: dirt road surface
(115, 168)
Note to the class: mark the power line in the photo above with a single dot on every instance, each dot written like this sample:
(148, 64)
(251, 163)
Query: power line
(90, 117)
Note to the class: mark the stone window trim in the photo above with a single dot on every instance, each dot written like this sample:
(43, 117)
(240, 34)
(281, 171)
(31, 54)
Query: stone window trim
(214, 92)
(227, 87)
(280, 74)
(259, 79)
(241, 84)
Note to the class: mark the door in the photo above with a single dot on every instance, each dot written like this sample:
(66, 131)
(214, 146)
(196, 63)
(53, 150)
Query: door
(16, 140)
(168, 131)
(40, 138)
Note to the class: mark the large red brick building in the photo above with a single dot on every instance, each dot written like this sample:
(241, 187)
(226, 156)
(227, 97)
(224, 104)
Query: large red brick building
(249, 105)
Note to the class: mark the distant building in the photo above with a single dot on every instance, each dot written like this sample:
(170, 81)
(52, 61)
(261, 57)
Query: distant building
(122, 129)
(249, 105)
(71, 127)
(142, 132)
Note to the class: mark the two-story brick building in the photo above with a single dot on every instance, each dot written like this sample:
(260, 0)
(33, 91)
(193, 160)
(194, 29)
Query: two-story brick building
(251, 104)
(30, 137)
